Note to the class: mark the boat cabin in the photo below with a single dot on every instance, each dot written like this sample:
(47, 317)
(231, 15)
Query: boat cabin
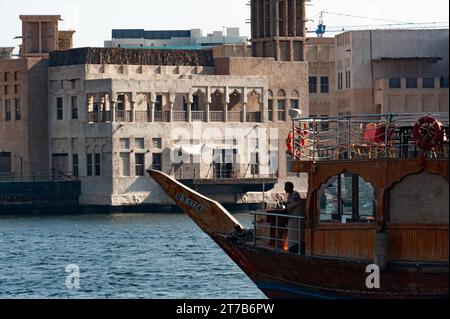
(367, 175)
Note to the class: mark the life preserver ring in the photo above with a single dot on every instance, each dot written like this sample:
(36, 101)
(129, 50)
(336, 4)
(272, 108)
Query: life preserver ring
(234, 174)
(290, 143)
(427, 133)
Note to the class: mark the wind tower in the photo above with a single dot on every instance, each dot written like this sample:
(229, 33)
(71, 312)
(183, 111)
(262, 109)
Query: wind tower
(278, 29)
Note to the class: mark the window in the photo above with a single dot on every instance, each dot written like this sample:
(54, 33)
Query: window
(346, 198)
(5, 76)
(254, 164)
(157, 161)
(5, 90)
(270, 110)
(324, 84)
(17, 109)
(395, 83)
(16, 76)
(140, 164)
(98, 164)
(325, 123)
(281, 110)
(7, 110)
(195, 103)
(124, 143)
(443, 83)
(75, 165)
(89, 165)
(5, 163)
(16, 88)
(74, 105)
(185, 104)
(295, 104)
(125, 164)
(59, 108)
(159, 103)
(312, 84)
(139, 143)
(72, 84)
(340, 81)
(157, 143)
(411, 83)
(348, 80)
(121, 103)
(428, 83)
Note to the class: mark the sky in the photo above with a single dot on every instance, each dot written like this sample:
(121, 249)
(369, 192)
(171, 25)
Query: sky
(94, 20)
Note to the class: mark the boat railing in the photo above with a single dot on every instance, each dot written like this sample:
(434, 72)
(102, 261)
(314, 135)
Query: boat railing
(279, 231)
(364, 137)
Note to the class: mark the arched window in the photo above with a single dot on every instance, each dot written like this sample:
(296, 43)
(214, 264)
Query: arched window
(281, 93)
(346, 198)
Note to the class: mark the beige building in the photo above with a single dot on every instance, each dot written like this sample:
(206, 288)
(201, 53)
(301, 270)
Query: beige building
(23, 99)
(384, 71)
(322, 84)
(204, 121)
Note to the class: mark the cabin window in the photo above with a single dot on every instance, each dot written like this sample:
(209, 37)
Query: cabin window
(346, 198)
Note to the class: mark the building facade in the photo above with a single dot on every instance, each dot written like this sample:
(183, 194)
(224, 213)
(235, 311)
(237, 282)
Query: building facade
(109, 123)
(322, 69)
(384, 71)
(23, 100)
(175, 39)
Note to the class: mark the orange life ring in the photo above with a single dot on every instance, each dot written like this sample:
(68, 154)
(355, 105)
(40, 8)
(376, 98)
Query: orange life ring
(290, 143)
(427, 133)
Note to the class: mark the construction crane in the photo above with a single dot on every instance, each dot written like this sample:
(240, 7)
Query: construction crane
(322, 28)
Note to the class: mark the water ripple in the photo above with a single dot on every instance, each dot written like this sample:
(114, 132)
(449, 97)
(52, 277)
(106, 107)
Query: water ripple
(120, 256)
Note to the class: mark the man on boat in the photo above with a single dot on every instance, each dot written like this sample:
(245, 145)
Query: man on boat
(294, 207)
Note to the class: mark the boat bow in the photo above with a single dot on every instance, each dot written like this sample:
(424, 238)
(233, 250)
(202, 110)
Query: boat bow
(209, 215)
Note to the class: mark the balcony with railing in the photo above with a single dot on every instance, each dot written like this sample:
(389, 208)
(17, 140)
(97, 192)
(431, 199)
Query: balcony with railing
(123, 116)
(142, 116)
(161, 116)
(234, 117)
(99, 117)
(254, 117)
(198, 116)
(180, 116)
(369, 137)
(216, 116)
(175, 116)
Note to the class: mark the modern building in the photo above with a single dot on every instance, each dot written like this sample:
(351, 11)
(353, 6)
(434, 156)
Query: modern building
(392, 71)
(322, 69)
(23, 100)
(173, 39)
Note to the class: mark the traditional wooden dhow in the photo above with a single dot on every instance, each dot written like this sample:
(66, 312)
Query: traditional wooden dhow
(375, 222)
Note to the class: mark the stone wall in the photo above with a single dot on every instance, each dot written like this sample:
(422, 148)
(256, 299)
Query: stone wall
(132, 57)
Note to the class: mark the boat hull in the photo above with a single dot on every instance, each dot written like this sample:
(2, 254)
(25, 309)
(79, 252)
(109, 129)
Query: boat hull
(281, 275)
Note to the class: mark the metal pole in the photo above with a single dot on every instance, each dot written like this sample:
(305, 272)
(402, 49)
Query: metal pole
(299, 235)
(255, 226)
(386, 132)
(276, 232)
(349, 138)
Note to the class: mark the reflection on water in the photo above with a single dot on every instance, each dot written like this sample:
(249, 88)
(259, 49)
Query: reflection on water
(120, 256)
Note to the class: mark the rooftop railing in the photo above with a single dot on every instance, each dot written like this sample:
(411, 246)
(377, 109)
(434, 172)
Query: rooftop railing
(365, 137)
